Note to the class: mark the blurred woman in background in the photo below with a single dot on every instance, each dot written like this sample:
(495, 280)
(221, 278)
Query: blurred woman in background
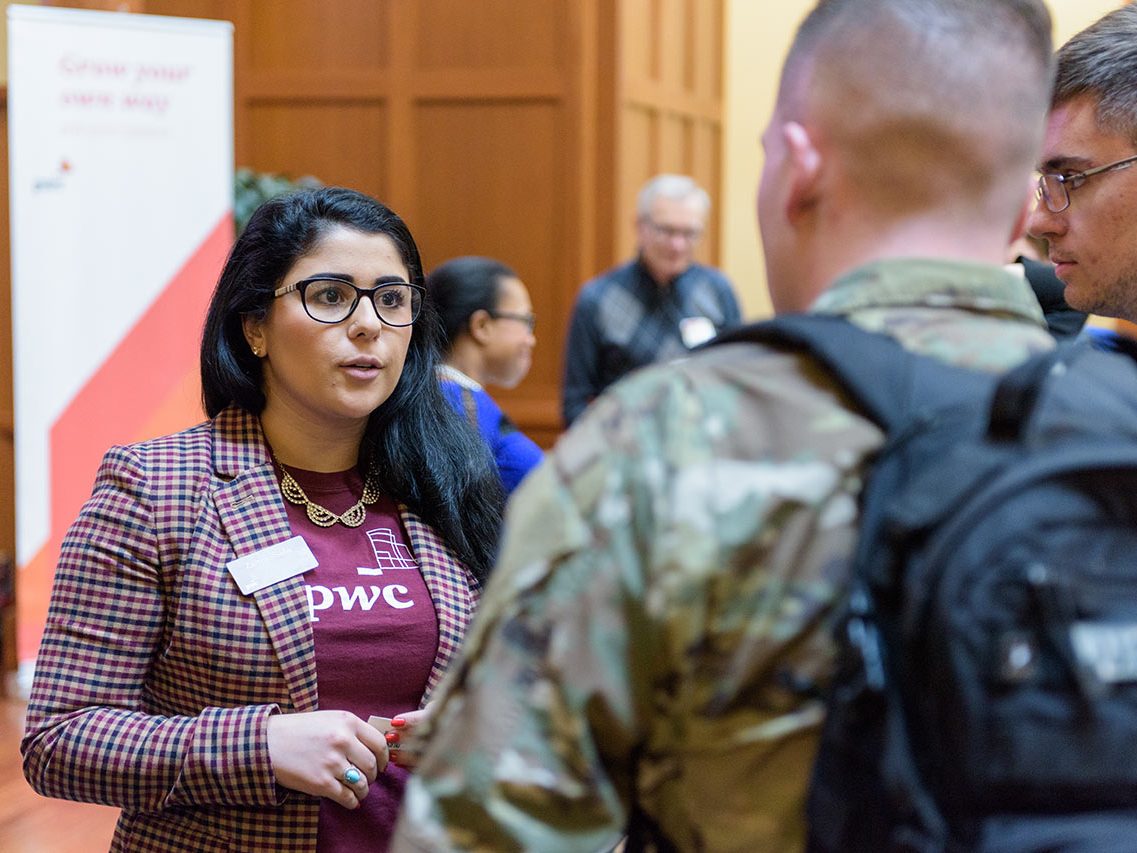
(488, 324)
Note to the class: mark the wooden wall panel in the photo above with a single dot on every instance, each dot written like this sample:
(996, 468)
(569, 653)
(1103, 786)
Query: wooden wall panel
(638, 40)
(478, 189)
(321, 36)
(599, 64)
(491, 182)
(96, 5)
(676, 61)
(492, 34)
(218, 10)
(675, 141)
(638, 156)
(318, 75)
(669, 102)
(708, 37)
(706, 168)
(339, 142)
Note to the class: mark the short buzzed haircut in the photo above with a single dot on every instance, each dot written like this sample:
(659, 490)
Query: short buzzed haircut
(1101, 61)
(929, 101)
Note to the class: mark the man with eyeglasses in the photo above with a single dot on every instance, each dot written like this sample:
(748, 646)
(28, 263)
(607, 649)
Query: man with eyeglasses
(653, 308)
(1087, 189)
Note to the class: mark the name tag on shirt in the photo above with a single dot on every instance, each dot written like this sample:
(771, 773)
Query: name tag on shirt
(695, 331)
(272, 565)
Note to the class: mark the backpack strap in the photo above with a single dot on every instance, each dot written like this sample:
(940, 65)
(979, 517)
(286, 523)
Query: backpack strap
(894, 387)
(888, 382)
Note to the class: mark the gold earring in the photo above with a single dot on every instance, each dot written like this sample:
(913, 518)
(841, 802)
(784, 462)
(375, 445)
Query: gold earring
(257, 352)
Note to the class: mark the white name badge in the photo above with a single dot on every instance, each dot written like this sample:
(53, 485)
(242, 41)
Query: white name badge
(695, 331)
(272, 565)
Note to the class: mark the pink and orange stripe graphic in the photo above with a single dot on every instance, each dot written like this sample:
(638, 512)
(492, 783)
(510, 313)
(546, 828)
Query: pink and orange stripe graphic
(148, 386)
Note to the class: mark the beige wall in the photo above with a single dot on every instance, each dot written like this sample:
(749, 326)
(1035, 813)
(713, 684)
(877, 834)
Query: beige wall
(758, 35)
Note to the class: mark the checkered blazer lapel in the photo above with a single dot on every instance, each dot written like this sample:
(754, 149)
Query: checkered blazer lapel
(252, 513)
(453, 590)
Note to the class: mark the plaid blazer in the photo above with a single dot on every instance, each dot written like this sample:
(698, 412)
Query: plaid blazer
(156, 676)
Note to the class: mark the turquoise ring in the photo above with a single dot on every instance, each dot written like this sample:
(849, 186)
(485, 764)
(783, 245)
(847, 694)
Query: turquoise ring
(352, 775)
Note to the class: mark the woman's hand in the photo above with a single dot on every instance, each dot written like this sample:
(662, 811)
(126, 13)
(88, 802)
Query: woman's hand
(311, 752)
(404, 725)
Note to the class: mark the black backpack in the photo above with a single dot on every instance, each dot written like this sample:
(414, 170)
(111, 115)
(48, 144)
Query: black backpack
(985, 697)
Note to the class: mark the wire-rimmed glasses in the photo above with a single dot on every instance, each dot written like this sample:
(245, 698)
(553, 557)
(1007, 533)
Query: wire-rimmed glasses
(1054, 190)
(672, 232)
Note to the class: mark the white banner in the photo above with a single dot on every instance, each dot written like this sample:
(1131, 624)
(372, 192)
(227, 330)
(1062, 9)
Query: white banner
(121, 176)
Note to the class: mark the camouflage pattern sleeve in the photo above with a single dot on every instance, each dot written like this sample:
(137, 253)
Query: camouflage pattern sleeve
(623, 646)
(527, 742)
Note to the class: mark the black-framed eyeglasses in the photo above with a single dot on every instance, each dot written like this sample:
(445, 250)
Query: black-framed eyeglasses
(1054, 190)
(329, 299)
(529, 320)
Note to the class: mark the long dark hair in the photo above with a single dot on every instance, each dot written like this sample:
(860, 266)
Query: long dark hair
(462, 286)
(427, 456)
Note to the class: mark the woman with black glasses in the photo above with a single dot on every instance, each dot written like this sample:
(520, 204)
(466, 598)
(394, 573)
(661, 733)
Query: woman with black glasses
(488, 325)
(235, 602)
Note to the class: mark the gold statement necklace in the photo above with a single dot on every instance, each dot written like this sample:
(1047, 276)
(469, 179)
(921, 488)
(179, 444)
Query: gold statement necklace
(322, 516)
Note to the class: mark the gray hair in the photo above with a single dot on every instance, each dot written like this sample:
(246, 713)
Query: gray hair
(675, 187)
(1101, 61)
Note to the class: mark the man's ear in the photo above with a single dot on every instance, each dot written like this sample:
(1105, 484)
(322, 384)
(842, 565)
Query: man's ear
(804, 162)
(479, 326)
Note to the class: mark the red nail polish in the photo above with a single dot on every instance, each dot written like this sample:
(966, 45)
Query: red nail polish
(392, 737)
(398, 722)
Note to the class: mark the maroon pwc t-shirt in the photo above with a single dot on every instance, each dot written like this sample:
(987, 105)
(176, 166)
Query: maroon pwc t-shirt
(376, 635)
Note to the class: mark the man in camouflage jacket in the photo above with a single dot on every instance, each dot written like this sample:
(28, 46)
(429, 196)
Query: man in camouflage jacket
(650, 651)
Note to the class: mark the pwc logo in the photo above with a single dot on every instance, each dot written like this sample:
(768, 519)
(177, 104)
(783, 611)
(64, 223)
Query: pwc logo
(391, 556)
